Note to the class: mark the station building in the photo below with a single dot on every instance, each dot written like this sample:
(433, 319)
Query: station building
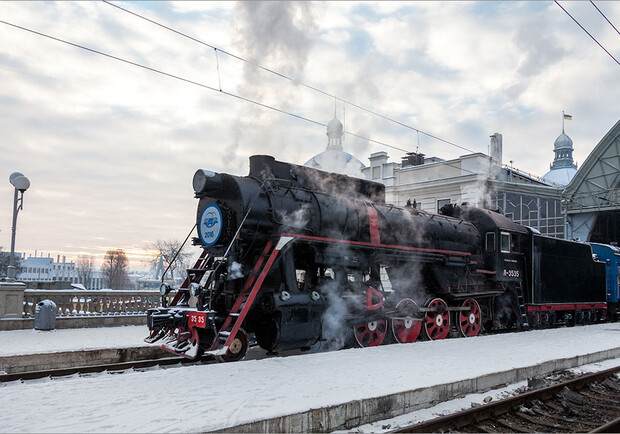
(477, 179)
(567, 202)
(571, 202)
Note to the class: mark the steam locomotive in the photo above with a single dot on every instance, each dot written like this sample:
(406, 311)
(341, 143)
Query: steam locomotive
(297, 258)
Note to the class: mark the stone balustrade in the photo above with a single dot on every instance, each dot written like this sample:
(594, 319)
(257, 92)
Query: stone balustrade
(75, 302)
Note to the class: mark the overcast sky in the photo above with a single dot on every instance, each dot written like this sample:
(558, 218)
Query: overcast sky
(110, 148)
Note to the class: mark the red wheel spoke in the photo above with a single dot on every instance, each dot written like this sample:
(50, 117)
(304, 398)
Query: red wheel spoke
(470, 321)
(437, 324)
(406, 330)
(370, 334)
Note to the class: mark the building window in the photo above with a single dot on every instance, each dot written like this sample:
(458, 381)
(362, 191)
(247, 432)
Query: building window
(442, 202)
(376, 172)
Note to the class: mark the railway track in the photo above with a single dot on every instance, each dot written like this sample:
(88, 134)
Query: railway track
(111, 367)
(123, 366)
(590, 403)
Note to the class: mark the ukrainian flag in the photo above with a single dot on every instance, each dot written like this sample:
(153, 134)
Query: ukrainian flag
(569, 117)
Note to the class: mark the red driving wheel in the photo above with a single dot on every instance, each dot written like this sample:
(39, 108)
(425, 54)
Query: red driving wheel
(437, 325)
(370, 334)
(470, 322)
(238, 348)
(406, 330)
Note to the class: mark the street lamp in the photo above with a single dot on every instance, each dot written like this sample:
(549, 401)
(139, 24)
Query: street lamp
(21, 184)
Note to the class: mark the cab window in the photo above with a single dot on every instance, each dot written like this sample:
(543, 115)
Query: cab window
(505, 242)
(490, 245)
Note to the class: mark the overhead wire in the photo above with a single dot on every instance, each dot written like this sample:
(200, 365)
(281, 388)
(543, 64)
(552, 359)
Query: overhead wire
(205, 86)
(279, 74)
(170, 75)
(588, 33)
(607, 19)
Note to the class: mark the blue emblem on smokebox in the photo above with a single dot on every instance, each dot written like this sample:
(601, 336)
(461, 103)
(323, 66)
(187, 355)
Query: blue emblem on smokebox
(211, 220)
(210, 225)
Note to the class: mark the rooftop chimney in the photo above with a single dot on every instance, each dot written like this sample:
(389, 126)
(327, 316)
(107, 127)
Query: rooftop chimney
(413, 159)
(495, 149)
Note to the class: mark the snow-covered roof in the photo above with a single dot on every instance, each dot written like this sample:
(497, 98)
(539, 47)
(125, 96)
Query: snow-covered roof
(560, 176)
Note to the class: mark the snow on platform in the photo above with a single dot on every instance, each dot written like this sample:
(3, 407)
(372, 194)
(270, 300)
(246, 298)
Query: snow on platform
(18, 342)
(210, 397)
(461, 404)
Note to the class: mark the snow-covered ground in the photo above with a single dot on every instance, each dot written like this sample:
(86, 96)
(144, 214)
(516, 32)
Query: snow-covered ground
(32, 341)
(208, 397)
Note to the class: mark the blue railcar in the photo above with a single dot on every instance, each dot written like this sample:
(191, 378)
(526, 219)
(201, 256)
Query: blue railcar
(610, 255)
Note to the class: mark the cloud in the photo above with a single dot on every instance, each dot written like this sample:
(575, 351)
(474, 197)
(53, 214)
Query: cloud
(110, 148)
(540, 49)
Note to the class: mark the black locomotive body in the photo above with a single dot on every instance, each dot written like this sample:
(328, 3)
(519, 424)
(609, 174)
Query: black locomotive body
(299, 258)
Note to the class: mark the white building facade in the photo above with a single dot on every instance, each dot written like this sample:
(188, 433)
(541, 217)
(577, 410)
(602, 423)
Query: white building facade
(39, 269)
(477, 179)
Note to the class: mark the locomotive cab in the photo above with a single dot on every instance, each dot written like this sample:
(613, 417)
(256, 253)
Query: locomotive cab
(505, 244)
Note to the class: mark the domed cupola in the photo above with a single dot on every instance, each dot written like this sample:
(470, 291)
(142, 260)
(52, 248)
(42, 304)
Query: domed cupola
(563, 142)
(563, 167)
(334, 158)
(335, 131)
(563, 148)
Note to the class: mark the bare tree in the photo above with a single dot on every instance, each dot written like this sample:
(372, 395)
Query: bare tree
(85, 266)
(114, 269)
(165, 252)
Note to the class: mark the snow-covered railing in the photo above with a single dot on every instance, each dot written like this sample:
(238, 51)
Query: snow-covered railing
(75, 302)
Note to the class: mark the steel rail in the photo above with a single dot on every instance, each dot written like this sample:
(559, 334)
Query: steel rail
(121, 366)
(478, 414)
(611, 426)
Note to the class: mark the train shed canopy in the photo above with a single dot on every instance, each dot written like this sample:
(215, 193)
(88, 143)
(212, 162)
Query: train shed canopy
(593, 196)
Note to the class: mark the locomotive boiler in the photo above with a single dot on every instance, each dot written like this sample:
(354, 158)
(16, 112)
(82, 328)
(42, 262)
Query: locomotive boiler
(297, 258)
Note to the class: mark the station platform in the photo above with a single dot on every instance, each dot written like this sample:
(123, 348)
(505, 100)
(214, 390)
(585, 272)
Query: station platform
(32, 350)
(302, 393)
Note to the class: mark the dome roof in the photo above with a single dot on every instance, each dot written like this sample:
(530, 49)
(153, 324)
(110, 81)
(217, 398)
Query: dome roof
(560, 176)
(563, 141)
(335, 128)
(338, 162)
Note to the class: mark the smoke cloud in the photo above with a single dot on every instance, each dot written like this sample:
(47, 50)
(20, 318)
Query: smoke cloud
(276, 35)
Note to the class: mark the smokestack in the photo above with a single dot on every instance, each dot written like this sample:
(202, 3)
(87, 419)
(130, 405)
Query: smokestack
(58, 259)
(495, 151)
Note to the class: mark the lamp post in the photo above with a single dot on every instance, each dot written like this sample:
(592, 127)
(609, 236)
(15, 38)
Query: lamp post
(21, 184)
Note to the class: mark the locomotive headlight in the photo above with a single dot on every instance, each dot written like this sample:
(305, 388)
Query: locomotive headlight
(194, 289)
(202, 178)
(164, 288)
